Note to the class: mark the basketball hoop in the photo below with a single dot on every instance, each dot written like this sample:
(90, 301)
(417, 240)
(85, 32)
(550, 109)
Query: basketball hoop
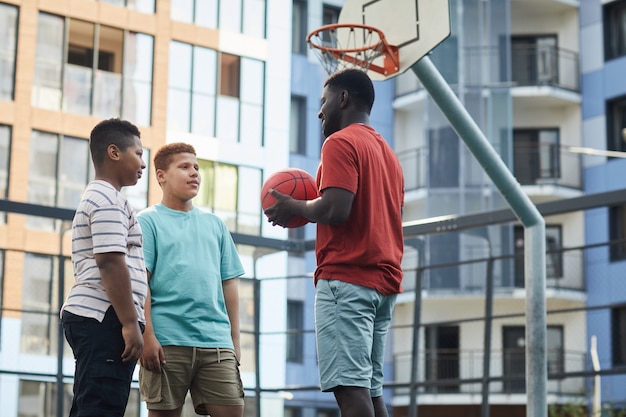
(351, 45)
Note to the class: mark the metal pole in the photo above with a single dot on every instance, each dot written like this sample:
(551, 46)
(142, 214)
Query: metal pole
(526, 212)
(418, 244)
(487, 336)
(60, 334)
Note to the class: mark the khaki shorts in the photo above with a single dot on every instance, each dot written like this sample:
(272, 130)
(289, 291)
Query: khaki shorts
(211, 375)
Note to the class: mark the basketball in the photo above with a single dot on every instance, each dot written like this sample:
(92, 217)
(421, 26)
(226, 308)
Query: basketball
(295, 182)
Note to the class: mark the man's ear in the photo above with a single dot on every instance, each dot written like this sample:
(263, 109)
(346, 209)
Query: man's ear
(113, 152)
(344, 98)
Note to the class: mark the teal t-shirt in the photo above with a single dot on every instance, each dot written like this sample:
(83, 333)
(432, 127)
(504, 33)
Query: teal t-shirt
(188, 255)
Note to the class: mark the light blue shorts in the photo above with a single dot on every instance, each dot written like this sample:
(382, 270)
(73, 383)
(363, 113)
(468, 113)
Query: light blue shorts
(351, 324)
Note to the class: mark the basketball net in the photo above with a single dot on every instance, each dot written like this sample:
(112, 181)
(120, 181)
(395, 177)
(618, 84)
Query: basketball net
(339, 46)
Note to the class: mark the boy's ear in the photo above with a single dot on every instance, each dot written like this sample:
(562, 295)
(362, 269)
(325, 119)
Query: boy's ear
(113, 152)
(160, 176)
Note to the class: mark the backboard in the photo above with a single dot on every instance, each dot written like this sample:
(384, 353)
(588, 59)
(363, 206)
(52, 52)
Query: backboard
(414, 26)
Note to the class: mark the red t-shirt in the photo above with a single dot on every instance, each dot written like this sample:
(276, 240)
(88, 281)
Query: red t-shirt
(367, 249)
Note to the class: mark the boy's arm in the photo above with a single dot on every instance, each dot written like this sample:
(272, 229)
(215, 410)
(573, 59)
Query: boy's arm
(116, 281)
(231, 297)
(153, 355)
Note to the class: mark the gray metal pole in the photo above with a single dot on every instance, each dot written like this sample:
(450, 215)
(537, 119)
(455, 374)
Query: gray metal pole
(418, 244)
(526, 212)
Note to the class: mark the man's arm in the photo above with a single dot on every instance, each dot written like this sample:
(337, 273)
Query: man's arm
(231, 298)
(332, 207)
(116, 281)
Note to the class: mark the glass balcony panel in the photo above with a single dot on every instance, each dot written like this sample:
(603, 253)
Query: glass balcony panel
(77, 89)
(107, 100)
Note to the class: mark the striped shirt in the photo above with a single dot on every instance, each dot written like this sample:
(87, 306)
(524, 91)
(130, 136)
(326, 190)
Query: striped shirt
(104, 222)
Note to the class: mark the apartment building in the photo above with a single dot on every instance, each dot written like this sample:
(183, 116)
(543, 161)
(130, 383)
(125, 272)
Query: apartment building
(211, 73)
(515, 67)
(603, 60)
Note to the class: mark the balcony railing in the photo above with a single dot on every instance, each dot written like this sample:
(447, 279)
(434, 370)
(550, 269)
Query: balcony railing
(530, 65)
(564, 271)
(542, 164)
(451, 371)
(487, 66)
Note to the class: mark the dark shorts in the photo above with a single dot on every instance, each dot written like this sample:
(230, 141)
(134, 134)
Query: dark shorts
(101, 379)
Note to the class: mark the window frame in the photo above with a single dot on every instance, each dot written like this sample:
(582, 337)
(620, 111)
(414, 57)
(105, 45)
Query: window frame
(616, 124)
(614, 44)
(295, 331)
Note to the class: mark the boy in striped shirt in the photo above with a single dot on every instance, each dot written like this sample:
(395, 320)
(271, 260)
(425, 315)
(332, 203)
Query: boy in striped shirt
(103, 315)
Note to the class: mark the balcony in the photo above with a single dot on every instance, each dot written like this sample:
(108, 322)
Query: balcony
(549, 167)
(564, 272)
(460, 371)
(534, 69)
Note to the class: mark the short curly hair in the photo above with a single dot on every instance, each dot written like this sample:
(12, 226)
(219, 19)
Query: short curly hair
(357, 83)
(115, 131)
(165, 154)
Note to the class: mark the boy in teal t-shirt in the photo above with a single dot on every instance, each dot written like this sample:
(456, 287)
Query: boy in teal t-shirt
(191, 341)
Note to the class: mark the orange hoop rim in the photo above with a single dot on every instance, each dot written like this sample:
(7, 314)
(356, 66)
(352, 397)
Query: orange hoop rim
(335, 26)
(363, 57)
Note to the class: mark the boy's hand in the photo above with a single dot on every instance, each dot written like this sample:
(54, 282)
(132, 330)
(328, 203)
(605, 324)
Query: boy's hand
(153, 356)
(133, 342)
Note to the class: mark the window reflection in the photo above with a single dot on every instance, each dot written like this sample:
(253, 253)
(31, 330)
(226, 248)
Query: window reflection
(8, 42)
(107, 71)
(231, 192)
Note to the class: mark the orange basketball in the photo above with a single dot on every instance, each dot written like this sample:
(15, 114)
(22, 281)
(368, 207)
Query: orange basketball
(295, 182)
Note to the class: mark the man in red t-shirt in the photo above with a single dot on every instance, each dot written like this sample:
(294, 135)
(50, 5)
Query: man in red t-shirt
(359, 244)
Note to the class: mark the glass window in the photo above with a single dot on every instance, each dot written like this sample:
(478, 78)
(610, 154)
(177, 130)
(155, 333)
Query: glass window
(249, 204)
(254, 18)
(230, 15)
(79, 69)
(614, 29)
(8, 43)
(108, 76)
(138, 69)
(204, 91)
(252, 93)
(616, 125)
(107, 72)
(38, 398)
(554, 253)
(40, 302)
(231, 192)
(618, 335)
(299, 27)
(295, 327)
(229, 75)
(201, 12)
(59, 169)
(227, 118)
(536, 155)
(72, 176)
(5, 153)
(179, 94)
(192, 89)
(206, 13)
(144, 6)
(47, 85)
(617, 233)
(297, 125)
